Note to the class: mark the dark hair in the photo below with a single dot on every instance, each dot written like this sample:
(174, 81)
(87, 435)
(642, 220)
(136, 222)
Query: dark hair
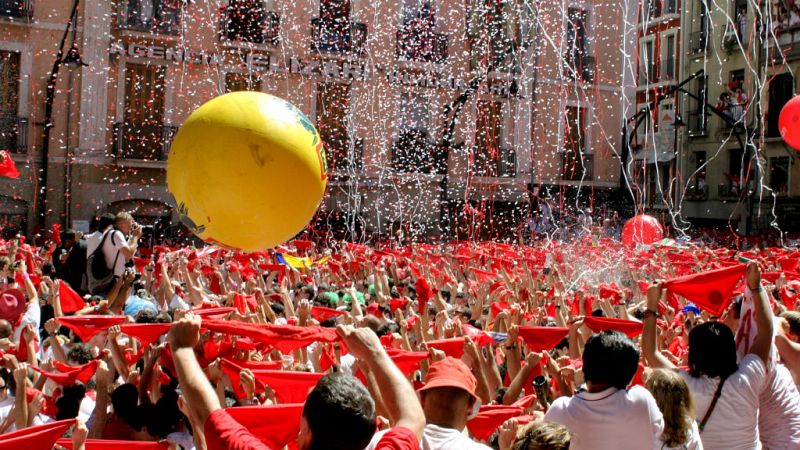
(105, 221)
(610, 357)
(147, 315)
(125, 399)
(712, 350)
(340, 413)
(70, 402)
(80, 353)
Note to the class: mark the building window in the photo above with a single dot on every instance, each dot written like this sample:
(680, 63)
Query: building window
(650, 9)
(333, 108)
(579, 63)
(142, 133)
(779, 175)
(781, 90)
(413, 147)
(668, 57)
(152, 16)
(492, 35)
(416, 37)
(488, 134)
(251, 21)
(576, 164)
(670, 7)
(10, 125)
(242, 82)
(699, 170)
(697, 116)
(333, 30)
(647, 62)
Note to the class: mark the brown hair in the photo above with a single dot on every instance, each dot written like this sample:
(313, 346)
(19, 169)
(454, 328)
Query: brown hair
(542, 436)
(793, 318)
(675, 402)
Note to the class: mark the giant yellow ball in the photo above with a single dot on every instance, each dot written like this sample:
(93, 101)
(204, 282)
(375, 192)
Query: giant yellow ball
(247, 171)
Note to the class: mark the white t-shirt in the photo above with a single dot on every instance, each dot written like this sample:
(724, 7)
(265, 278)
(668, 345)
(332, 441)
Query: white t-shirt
(779, 411)
(610, 419)
(114, 242)
(32, 316)
(177, 302)
(733, 424)
(693, 442)
(438, 438)
(92, 241)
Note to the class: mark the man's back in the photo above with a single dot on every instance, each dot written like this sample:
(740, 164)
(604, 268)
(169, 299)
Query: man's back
(441, 438)
(610, 419)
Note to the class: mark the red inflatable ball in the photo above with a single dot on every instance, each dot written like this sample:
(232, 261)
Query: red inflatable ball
(642, 229)
(789, 123)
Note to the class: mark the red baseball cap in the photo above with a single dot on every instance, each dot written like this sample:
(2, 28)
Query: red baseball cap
(450, 372)
(12, 304)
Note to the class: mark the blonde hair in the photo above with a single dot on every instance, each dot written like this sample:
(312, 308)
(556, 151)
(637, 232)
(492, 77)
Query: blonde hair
(675, 402)
(539, 435)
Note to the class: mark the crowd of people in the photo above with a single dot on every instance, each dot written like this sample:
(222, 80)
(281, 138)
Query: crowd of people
(587, 344)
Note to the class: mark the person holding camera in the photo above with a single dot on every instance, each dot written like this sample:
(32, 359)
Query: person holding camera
(119, 249)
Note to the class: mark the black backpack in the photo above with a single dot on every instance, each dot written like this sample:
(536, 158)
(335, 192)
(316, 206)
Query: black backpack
(99, 275)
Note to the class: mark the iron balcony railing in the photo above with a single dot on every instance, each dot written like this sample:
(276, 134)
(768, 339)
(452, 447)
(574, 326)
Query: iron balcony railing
(421, 45)
(264, 30)
(14, 134)
(16, 8)
(163, 18)
(329, 36)
(145, 142)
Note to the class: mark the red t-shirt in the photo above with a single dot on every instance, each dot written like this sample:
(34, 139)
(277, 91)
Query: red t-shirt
(398, 438)
(224, 433)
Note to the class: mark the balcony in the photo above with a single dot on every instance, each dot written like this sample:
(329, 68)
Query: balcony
(728, 191)
(697, 122)
(14, 134)
(696, 194)
(162, 18)
(580, 67)
(330, 37)
(145, 142)
(698, 42)
(788, 43)
(421, 45)
(16, 8)
(253, 29)
(495, 163)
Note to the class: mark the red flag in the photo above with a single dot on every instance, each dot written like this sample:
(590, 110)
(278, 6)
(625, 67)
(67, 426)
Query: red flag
(598, 324)
(542, 338)
(710, 290)
(274, 425)
(86, 327)
(41, 437)
(146, 333)
(489, 418)
(8, 168)
(70, 300)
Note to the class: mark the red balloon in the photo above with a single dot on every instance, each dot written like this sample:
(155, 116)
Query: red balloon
(789, 123)
(642, 229)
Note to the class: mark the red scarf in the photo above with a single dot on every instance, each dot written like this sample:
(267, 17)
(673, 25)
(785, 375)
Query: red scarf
(489, 418)
(285, 338)
(710, 290)
(103, 444)
(274, 425)
(86, 327)
(146, 333)
(70, 300)
(289, 386)
(41, 437)
(70, 375)
(598, 324)
(451, 347)
(542, 338)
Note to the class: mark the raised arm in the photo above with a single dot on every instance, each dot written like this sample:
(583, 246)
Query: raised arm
(398, 395)
(650, 333)
(762, 344)
(198, 393)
